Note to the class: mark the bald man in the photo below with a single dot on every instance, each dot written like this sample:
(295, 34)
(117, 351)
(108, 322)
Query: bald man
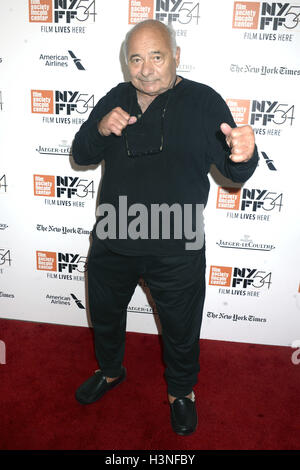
(158, 134)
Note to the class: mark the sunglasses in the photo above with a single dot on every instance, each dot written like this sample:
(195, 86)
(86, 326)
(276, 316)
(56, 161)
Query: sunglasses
(131, 152)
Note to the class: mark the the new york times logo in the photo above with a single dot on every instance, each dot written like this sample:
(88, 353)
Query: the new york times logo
(248, 277)
(276, 15)
(67, 102)
(170, 11)
(255, 199)
(69, 10)
(274, 112)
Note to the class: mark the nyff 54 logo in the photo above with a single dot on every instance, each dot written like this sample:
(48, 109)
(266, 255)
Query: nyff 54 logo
(166, 11)
(248, 199)
(63, 186)
(3, 184)
(264, 112)
(60, 262)
(61, 11)
(239, 277)
(5, 257)
(266, 16)
(58, 102)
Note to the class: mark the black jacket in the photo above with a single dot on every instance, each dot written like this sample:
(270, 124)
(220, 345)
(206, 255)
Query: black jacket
(192, 141)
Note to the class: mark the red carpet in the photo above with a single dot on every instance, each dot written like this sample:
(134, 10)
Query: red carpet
(247, 395)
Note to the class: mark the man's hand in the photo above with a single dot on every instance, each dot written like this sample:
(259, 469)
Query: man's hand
(115, 121)
(240, 140)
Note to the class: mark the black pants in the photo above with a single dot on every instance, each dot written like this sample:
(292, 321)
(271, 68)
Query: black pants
(177, 286)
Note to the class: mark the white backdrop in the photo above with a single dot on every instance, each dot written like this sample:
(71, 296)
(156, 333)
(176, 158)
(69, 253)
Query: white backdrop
(57, 59)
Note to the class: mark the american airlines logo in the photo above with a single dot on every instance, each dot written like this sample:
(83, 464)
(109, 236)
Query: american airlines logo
(76, 61)
(61, 60)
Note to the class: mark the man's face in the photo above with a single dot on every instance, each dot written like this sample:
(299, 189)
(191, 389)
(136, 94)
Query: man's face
(151, 63)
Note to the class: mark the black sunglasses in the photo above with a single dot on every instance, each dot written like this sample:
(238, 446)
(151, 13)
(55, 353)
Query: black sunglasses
(151, 151)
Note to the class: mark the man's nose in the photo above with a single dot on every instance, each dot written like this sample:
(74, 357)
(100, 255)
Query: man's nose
(147, 68)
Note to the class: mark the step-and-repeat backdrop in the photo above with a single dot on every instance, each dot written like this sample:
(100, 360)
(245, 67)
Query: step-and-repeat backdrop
(57, 59)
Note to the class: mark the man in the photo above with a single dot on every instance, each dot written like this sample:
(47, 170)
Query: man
(158, 135)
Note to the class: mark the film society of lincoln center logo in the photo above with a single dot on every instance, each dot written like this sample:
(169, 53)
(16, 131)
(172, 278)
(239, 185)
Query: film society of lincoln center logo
(68, 16)
(253, 204)
(248, 281)
(270, 116)
(61, 106)
(269, 17)
(62, 190)
(166, 11)
(67, 266)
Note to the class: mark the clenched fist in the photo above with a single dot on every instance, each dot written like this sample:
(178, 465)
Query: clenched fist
(240, 140)
(115, 121)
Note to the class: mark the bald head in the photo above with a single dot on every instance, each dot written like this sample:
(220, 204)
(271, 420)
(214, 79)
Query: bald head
(155, 27)
(152, 57)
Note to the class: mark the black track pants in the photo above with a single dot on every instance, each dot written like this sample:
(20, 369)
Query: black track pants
(177, 286)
